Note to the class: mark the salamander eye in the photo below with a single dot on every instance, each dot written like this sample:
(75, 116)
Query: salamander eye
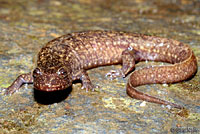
(36, 72)
(62, 72)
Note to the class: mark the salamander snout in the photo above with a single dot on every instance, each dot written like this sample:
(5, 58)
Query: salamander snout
(48, 80)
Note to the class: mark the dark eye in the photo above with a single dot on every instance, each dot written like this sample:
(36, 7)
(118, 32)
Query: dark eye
(61, 72)
(36, 72)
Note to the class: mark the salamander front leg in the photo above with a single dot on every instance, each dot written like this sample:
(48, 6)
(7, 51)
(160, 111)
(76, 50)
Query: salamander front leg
(128, 64)
(22, 79)
(86, 83)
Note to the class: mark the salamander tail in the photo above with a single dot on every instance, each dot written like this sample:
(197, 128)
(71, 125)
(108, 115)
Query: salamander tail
(132, 92)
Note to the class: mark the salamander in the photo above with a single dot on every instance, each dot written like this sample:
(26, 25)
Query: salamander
(66, 59)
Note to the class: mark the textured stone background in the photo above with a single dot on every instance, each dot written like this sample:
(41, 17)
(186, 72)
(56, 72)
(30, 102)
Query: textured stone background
(26, 25)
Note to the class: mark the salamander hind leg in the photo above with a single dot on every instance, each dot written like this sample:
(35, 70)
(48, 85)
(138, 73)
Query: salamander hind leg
(128, 64)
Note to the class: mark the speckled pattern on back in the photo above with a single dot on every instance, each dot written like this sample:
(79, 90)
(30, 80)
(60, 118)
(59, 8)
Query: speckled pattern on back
(67, 58)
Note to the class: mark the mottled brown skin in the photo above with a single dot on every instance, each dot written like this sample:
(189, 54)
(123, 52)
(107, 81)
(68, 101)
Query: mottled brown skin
(66, 58)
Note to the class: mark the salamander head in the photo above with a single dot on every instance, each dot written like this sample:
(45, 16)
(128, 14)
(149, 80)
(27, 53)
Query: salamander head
(51, 80)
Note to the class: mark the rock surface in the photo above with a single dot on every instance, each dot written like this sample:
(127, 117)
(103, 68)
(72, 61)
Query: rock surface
(27, 25)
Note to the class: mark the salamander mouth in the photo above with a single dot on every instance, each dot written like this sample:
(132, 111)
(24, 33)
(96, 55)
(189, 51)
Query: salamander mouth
(49, 88)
